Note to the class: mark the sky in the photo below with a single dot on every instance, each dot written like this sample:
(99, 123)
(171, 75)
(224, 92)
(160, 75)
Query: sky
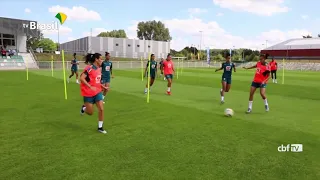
(217, 24)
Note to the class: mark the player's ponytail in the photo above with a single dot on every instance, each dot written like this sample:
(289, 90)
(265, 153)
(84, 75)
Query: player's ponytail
(91, 58)
(87, 58)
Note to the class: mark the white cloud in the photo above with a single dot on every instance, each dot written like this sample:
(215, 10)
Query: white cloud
(259, 7)
(27, 10)
(219, 14)
(304, 17)
(77, 13)
(194, 11)
(63, 30)
(95, 32)
(215, 36)
(278, 36)
(71, 38)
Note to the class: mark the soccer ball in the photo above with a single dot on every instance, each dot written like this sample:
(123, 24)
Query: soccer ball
(228, 112)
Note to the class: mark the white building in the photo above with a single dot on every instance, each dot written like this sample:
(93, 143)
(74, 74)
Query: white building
(13, 35)
(118, 47)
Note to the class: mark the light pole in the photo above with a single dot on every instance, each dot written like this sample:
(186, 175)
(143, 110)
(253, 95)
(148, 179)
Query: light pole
(200, 43)
(233, 47)
(266, 44)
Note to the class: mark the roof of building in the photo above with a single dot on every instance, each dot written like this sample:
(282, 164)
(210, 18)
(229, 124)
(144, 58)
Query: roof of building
(16, 25)
(301, 43)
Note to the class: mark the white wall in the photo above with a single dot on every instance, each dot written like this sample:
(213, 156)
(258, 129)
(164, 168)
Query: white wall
(22, 43)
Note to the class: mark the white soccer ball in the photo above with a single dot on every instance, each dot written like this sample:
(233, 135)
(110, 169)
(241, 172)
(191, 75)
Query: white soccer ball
(228, 112)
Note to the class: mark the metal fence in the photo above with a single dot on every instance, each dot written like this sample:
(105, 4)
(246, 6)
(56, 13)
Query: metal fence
(185, 64)
(125, 64)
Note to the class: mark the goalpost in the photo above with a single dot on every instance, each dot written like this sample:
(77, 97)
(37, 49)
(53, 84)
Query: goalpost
(180, 64)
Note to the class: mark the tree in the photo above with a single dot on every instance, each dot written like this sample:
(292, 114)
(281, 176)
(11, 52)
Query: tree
(32, 41)
(47, 44)
(115, 34)
(58, 46)
(308, 36)
(153, 30)
(218, 57)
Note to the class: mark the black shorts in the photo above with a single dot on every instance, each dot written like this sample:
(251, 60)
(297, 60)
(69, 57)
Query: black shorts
(273, 71)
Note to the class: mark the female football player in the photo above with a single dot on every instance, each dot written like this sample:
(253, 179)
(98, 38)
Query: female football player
(273, 65)
(168, 70)
(74, 68)
(106, 70)
(226, 76)
(91, 88)
(260, 80)
(152, 72)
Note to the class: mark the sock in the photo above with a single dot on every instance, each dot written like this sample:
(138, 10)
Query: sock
(220, 90)
(169, 89)
(250, 104)
(103, 96)
(265, 102)
(100, 124)
(84, 108)
(222, 98)
(146, 90)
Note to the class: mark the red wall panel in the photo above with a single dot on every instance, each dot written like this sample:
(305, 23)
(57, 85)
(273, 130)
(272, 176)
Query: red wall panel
(293, 52)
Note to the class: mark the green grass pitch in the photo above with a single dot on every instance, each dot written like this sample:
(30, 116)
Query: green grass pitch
(182, 136)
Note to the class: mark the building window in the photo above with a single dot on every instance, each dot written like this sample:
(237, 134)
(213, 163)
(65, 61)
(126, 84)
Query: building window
(138, 45)
(148, 46)
(117, 44)
(8, 36)
(129, 45)
(9, 42)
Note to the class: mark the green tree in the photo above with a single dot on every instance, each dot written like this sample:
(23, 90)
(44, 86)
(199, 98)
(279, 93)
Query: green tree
(308, 36)
(115, 34)
(32, 41)
(218, 57)
(47, 44)
(153, 30)
(236, 57)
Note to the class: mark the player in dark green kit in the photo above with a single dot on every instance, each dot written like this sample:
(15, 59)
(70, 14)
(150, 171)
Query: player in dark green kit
(153, 71)
(74, 68)
(227, 67)
(106, 73)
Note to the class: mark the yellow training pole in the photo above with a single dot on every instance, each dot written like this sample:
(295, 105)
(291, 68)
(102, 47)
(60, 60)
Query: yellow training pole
(27, 69)
(141, 68)
(52, 65)
(64, 76)
(149, 75)
(283, 71)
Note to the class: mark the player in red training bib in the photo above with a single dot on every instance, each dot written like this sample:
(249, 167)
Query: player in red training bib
(168, 71)
(273, 65)
(260, 80)
(91, 88)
